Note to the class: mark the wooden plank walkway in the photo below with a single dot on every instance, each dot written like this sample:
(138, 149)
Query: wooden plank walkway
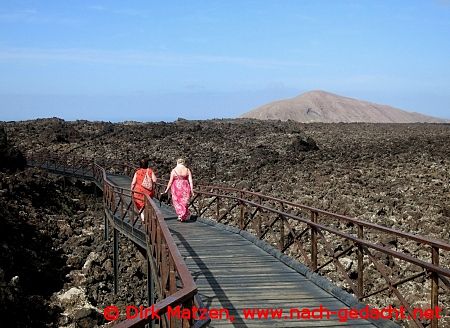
(234, 274)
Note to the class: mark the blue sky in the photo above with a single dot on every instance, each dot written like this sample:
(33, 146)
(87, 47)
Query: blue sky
(154, 60)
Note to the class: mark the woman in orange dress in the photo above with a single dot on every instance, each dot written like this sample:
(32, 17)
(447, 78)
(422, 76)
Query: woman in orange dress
(136, 184)
(181, 187)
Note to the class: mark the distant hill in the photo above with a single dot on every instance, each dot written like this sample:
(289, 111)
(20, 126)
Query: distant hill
(321, 106)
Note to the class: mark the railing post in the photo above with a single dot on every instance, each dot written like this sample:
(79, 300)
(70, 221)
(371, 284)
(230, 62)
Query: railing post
(106, 201)
(434, 285)
(259, 218)
(106, 227)
(186, 323)
(150, 292)
(200, 204)
(313, 242)
(217, 208)
(281, 242)
(241, 217)
(116, 260)
(122, 204)
(360, 264)
(282, 234)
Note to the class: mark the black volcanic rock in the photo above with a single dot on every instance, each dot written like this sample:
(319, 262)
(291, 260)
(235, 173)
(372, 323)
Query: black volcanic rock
(52, 246)
(391, 174)
(304, 143)
(3, 141)
(60, 132)
(10, 157)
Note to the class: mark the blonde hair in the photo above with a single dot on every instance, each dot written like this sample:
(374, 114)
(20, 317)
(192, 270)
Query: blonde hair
(180, 161)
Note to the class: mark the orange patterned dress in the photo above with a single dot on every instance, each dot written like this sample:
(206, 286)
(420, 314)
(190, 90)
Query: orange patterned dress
(138, 196)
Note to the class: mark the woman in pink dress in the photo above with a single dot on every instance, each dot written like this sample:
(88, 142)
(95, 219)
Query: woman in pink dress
(181, 187)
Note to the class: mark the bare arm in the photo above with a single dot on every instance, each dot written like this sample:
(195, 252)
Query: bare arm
(133, 183)
(154, 177)
(169, 184)
(191, 183)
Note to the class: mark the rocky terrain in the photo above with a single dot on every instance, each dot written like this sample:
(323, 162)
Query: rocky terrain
(55, 267)
(321, 106)
(396, 175)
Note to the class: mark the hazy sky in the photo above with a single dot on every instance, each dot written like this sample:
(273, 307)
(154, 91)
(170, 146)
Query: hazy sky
(160, 60)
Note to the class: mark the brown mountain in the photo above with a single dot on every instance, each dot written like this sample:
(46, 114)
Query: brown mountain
(321, 106)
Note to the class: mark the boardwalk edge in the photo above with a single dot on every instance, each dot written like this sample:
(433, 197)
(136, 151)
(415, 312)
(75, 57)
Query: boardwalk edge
(346, 298)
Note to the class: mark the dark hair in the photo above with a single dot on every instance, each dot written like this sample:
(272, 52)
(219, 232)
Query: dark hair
(143, 163)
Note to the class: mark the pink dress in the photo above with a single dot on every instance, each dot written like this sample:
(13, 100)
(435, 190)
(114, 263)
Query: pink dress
(181, 192)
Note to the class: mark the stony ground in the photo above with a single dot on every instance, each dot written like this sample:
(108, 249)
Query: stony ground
(55, 266)
(392, 174)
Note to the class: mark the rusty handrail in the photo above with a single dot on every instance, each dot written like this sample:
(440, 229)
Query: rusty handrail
(167, 263)
(378, 227)
(166, 259)
(281, 226)
(167, 266)
(433, 269)
(280, 221)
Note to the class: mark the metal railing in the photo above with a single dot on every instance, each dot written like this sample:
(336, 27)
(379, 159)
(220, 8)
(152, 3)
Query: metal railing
(170, 275)
(323, 239)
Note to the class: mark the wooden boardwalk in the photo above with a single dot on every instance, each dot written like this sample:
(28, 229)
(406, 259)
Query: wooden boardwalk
(234, 274)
